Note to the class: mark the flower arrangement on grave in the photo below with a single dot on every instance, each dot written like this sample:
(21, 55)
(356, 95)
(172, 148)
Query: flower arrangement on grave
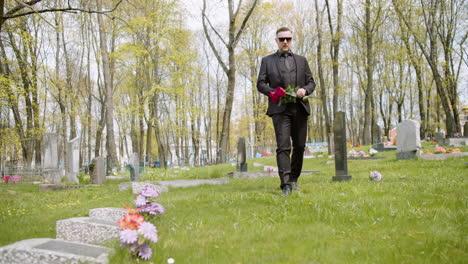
(357, 154)
(375, 176)
(288, 95)
(441, 150)
(372, 152)
(14, 178)
(138, 234)
(145, 201)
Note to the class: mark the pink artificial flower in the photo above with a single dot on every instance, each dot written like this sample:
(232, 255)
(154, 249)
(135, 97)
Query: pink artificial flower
(15, 178)
(6, 178)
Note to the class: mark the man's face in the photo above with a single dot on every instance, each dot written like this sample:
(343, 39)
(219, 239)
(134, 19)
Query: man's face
(284, 41)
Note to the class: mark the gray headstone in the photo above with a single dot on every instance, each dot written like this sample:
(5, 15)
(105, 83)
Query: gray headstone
(241, 155)
(135, 163)
(73, 153)
(408, 140)
(87, 230)
(465, 129)
(50, 154)
(439, 138)
(47, 250)
(341, 162)
(98, 174)
(377, 134)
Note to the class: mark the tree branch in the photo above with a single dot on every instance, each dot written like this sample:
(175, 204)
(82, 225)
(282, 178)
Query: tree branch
(213, 48)
(244, 23)
(12, 13)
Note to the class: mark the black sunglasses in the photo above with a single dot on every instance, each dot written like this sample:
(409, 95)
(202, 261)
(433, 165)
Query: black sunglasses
(283, 39)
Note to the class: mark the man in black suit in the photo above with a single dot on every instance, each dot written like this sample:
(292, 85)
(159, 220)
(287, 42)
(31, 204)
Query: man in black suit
(277, 72)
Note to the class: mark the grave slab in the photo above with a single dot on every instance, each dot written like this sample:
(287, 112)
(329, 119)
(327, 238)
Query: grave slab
(138, 186)
(189, 183)
(48, 251)
(443, 156)
(112, 214)
(87, 230)
(260, 174)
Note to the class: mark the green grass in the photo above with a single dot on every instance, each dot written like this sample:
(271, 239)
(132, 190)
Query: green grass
(416, 214)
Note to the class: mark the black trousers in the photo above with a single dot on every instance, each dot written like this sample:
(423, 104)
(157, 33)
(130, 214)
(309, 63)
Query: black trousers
(290, 125)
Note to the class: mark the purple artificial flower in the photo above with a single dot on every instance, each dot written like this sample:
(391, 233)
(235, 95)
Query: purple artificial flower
(145, 252)
(361, 153)
(153, 208)
(128, 236)
(149, 191)
(140, 200)
(148, 230)
(375, 176)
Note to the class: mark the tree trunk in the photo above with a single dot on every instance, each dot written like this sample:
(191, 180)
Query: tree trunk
(111, 151)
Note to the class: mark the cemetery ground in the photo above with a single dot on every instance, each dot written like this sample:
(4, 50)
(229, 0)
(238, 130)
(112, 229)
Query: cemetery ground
(416, 214)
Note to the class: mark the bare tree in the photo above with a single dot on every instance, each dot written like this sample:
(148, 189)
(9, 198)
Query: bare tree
(234, 33)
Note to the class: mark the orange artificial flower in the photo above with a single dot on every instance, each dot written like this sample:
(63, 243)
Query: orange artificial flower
(131, 221)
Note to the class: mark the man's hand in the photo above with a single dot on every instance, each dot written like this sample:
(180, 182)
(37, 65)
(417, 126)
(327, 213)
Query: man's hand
(301, 92)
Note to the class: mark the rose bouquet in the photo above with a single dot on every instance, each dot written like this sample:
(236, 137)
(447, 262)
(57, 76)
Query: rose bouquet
(288, 95)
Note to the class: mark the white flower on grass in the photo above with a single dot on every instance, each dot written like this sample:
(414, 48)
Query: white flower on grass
(372, 152)
(375, 176)
(170, 261)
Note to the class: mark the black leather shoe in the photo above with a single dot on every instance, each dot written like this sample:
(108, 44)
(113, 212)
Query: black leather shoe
(294, 186)
(286, 191)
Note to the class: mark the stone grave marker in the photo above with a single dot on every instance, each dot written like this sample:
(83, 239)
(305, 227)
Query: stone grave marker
(73, 155)
(376, 133)
(465, 129)
(341, 162)
(47, 250)
(134, 167)
(241, 155)
(439, 138)
(98, 173)
(50, 162)
(408, 140)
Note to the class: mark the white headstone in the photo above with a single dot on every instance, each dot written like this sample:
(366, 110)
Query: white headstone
(73, 152)
(408, 139)
(50, 155)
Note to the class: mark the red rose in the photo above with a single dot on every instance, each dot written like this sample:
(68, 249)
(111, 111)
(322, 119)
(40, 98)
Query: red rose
(277, 94)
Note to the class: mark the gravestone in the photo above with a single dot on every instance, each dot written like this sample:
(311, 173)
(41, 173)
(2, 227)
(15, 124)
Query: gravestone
(241, 155)
(50, 164)
(341, 162)
(135, 166)
(50, 154)
(98, 172)
(439, 138)
(376, 133)
(73, 155)
(465, 129)
(47, 250)
(408, 140)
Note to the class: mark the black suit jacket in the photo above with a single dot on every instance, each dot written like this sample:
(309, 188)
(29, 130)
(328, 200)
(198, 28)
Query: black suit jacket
(270, 77)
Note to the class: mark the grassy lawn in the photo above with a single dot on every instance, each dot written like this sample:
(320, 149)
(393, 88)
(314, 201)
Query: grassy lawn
(416, 214)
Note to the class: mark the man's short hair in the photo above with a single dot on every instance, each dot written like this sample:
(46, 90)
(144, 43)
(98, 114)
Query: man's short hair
(281, 29)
